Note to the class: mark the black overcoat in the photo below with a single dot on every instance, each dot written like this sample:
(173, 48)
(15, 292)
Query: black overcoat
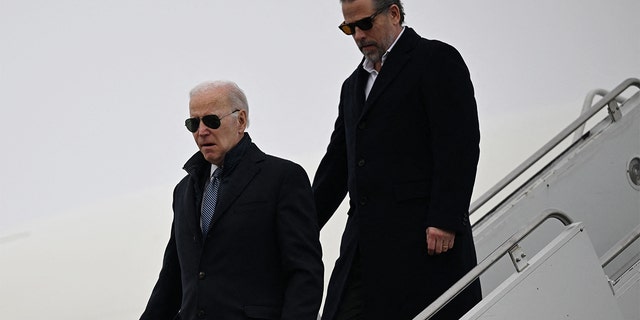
(407, 156)
(261, 258)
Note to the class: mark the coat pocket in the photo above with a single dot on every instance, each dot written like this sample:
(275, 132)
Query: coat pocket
(262, 312)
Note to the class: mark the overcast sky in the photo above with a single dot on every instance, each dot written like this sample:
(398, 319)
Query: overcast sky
(93, 97)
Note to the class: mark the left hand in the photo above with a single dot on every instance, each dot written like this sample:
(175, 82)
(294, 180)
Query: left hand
(439, 241)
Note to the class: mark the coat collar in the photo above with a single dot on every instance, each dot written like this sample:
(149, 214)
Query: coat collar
(234, 183)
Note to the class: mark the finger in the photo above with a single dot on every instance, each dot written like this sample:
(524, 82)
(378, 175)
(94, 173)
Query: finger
(431, 244)
(446, 245)
(438, 246)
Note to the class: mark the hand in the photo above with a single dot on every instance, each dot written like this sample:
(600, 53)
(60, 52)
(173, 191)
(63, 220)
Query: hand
(439, 241)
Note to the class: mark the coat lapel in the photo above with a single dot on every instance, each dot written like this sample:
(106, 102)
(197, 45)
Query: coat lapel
(233, 184)
(197, 168)
(355, 102)
(194, 217)
(395, 62)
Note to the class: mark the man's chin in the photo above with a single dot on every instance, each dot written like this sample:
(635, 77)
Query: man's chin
(371, 55)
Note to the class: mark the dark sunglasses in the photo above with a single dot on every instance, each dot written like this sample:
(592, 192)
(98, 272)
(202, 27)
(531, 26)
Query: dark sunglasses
(363, 24)
(212, 121)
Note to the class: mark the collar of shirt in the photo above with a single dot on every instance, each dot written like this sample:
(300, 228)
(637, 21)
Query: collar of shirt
(213, 169)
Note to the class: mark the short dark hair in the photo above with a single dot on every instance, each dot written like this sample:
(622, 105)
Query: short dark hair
(383, 4)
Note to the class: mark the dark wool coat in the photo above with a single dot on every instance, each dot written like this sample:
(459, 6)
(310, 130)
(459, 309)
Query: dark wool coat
(407, 157)
(261, 258)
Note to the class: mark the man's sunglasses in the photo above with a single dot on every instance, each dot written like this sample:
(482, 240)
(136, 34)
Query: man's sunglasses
(364, 24)
(212, 121)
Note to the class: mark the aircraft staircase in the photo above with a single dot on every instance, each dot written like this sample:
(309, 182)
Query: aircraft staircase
(588, 265)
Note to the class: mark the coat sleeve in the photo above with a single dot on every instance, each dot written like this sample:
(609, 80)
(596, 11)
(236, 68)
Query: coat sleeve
(453, 121)
(165, 300)
(299, 242)
(330, 180)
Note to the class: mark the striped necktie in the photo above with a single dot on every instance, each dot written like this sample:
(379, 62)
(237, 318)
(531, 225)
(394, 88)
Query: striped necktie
(209, 200)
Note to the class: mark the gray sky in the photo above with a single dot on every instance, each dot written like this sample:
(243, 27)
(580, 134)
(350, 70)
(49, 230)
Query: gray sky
(93, 97)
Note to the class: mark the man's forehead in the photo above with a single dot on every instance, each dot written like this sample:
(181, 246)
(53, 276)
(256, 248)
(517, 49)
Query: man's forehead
(355, 10)
(208, 101)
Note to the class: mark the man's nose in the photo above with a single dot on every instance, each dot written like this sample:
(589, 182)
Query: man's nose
(358, 34)
(202, 128)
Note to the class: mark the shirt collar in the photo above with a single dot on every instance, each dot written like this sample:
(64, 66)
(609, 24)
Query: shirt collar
(368, 65)
(213, 169)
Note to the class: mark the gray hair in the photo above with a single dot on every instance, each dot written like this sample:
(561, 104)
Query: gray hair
(384, 4)
(236, 96)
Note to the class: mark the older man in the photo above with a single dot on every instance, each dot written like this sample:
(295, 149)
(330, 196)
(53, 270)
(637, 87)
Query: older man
(405, 149)
(244, 240)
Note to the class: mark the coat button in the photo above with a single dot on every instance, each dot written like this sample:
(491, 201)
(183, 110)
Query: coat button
(361, 163)
(201, 275)
(201, 314)
(362, 125)
(363, 200)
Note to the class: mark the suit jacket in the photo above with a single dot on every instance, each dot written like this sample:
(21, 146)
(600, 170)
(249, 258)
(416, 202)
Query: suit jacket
(261, 258)
(407, 157)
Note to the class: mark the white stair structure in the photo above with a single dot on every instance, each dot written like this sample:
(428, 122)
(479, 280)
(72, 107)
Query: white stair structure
(557, 271)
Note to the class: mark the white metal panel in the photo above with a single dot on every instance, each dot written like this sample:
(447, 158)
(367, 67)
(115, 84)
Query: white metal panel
(589, 181)
(563, 281)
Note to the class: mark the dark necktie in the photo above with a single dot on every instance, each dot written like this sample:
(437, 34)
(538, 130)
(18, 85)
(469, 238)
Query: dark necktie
(209, 200)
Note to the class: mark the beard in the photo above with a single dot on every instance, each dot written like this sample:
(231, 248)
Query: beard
(374, 54)
(375, 50)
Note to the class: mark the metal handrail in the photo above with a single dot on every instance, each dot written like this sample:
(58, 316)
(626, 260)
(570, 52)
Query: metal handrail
(620, 246)
(588, 102)
(609, 97)
(494, 257)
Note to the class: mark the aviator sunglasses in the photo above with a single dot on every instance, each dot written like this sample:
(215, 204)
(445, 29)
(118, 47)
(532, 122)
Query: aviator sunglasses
(363, 24)
(212, 121)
